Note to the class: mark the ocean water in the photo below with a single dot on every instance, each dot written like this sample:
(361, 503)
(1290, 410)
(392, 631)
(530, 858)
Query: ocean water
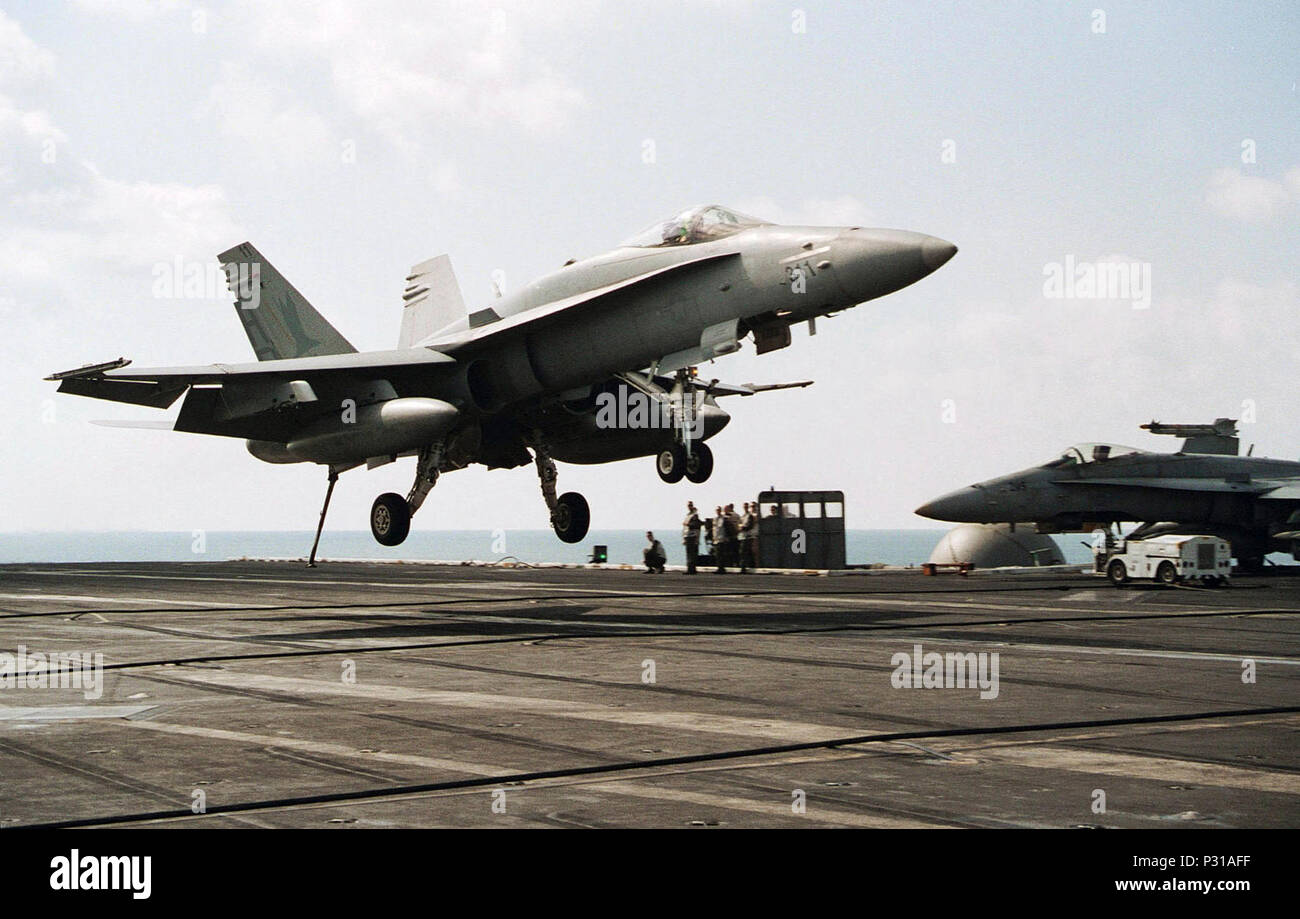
(887, 547)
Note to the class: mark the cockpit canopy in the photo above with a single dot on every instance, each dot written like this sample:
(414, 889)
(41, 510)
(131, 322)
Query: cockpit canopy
(696, 225)
(1091, 453)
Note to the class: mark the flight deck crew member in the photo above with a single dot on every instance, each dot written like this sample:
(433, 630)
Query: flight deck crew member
(733, 536)
(749, 537)
(691, 536)
(721, 553)
(654, 555)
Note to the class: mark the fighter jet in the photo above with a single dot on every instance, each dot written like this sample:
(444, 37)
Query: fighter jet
(551, 368)
(1205, 487)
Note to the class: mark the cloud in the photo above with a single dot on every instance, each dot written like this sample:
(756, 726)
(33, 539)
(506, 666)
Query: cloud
(63, 221)
(91, 225)
(23, 65)
(134, 10)
(255, 114)
(21, 59)
(1292, 180)
(1251, 199)
(30, 124)
(406, 69)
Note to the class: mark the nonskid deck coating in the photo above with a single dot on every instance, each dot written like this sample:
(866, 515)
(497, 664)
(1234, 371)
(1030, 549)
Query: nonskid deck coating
(370, 694)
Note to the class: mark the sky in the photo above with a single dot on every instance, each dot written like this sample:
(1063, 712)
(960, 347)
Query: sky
(350, 141)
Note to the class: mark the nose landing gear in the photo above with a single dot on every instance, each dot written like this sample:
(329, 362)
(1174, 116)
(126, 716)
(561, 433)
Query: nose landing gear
(688, 458)
(699, 465)
(673, 463)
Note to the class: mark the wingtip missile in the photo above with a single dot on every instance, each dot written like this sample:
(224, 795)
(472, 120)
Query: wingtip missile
(769, 387)
(89, 370)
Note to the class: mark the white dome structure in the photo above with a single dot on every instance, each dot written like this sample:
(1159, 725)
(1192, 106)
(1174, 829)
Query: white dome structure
(995, 545)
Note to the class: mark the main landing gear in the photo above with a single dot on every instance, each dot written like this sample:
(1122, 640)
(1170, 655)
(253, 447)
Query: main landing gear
(390, 515)
(570, 515)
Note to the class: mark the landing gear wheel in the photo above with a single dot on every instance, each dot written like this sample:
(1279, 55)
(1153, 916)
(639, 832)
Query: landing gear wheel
(671, 464)
(390, 519)
(572, 517)
(699, 465)
(1167, 573)
(1117, 573)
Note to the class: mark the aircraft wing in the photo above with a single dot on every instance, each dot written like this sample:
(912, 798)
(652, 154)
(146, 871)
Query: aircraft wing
(159, 387)
(488, 327)
(1285, 490)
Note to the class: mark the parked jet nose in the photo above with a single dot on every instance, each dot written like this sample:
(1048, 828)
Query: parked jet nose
(966, 505)
(872, 263)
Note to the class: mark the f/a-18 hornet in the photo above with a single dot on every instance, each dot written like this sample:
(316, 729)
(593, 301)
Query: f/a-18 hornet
(539, 369)
(1251, 501)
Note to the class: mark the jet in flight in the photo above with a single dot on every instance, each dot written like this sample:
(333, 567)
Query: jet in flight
(1205, 487)
(595, 362)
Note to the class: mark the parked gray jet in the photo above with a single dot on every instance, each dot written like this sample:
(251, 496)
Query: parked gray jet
(533, 370)
(1251, 501)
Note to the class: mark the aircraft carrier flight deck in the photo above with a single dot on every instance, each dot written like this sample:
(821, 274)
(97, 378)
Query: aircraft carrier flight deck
(407, 695)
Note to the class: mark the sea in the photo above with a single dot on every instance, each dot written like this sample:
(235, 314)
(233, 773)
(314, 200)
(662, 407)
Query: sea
(864, 547)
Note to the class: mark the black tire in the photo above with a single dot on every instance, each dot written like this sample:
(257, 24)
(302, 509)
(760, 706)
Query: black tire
(390, 519)
(1117, 572)
(572, 517)
(671, 464)
(699, 465)
(1166, 573)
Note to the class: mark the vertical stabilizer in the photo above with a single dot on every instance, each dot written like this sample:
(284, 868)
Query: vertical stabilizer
(1219, 438)
(278, 320)
(431, 303)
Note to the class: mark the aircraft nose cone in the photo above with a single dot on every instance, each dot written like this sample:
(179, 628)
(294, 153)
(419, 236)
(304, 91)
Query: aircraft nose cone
(965, 505)
(935, 252)
(872, 263)
(929, 510)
